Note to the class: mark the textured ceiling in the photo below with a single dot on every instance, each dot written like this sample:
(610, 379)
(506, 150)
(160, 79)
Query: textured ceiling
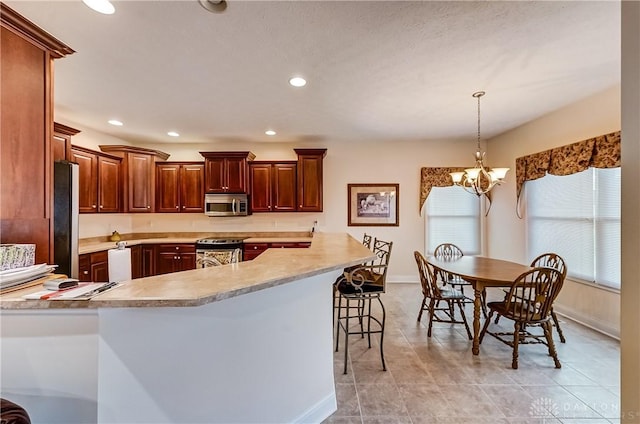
(376, 70)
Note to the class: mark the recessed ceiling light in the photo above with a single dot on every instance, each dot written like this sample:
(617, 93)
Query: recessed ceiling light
(101, 6)
(173, 134)
(115, 122)
(297, 81)
(270, 132)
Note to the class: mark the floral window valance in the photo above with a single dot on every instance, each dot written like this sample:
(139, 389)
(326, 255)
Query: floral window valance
(435, 177)
(598, 152)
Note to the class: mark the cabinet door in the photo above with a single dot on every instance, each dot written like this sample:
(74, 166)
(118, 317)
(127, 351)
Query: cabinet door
(88, 173)
(192, 188)
(136, 261)
(260, 183)
(108, 185)
(167, 262)
(84, 267)
(140, 182)
(253, 250)
(310, 183)
(236, 178)
(148, 260)
(167, 188)
(187, 261)
(284, 187)
(216, 175)
(60, 145)
(99, 267)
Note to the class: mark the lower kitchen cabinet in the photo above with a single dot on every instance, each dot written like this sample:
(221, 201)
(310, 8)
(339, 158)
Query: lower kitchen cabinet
(253, 250)
(94, 267)
(175, 257)
(136, 261)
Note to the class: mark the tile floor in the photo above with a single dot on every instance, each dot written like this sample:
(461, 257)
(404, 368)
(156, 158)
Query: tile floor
(438, 380)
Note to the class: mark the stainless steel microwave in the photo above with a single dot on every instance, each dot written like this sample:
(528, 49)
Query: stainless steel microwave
(226, 204)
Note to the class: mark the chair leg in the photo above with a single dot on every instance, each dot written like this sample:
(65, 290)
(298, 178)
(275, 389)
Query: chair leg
(485, 327)
(384, 316)
(338, 321)
(516, 341)
(369, 321)
(346, 339)
(432, 306)
(484, 302)
(464, 320)
(552, 347)
(557, 324)
(360, 315)
(424, 302)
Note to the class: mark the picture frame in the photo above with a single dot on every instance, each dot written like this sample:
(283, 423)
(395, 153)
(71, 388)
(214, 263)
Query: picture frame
(373, 205)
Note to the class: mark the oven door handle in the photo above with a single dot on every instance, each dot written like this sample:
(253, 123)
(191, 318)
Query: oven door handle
(233, 206)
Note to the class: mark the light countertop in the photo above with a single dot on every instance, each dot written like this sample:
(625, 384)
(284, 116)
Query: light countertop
(328, 252)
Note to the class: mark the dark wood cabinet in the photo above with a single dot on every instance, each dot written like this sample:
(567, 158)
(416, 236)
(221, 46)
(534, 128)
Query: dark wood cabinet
(100, 181)
(61, 141)
(310, 179)
(227, 172)
(136, 261)
(138, 170)
(175, 257)
(139, 182)
(273, 186)
(148, 253)
(180, 187)
(253, 250)
(26, 130)
(94, 267)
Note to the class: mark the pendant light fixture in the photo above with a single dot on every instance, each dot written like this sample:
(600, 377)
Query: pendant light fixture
(480, 179)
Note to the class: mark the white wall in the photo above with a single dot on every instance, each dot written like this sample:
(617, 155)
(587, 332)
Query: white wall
(506, 236)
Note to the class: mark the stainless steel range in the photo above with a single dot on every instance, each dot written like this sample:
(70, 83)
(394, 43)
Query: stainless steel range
(218, 251)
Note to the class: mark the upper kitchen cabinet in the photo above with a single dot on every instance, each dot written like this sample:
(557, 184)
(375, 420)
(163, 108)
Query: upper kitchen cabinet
(138, 165)
(180, 187)
(26, 129)
(227, 172)
(310, 179)
(100, 180)
(273, 186)
(61, 141)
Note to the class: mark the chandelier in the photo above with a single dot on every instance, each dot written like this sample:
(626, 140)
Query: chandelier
(480, 179)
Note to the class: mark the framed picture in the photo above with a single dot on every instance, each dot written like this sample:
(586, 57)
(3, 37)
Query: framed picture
(373, 204)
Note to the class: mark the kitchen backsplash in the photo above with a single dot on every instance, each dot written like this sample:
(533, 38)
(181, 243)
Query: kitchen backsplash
(97, 225)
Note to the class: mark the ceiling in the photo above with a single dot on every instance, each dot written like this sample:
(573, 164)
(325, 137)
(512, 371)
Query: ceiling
(381, 70)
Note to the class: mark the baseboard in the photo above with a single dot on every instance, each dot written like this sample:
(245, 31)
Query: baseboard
(402, 279)
(320, 411)
(587, 321)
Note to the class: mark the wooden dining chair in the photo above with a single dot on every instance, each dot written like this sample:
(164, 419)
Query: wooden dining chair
(433, 294)
(357, 289)
(529, 302)
(555, 261)
(450, 251)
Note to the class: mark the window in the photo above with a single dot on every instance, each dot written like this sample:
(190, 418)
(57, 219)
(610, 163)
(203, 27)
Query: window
(578, 217)
(453, 216)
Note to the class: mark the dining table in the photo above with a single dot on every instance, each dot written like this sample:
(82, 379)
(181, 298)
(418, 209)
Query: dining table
(481, 272)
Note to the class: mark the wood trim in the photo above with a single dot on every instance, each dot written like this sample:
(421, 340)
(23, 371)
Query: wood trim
(248, 155)
(63, 129)
(95, 152)
(311, 152)
(13, 21)
(121, 149)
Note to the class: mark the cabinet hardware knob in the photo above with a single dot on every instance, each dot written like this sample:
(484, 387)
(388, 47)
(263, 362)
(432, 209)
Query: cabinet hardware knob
(148, 207)
(93, 206)
(177, 207)
(184, 207)
(85, 272)
(177, 247)
(101, 207)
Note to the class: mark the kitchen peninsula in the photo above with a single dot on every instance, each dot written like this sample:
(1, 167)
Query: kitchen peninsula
(247, 342)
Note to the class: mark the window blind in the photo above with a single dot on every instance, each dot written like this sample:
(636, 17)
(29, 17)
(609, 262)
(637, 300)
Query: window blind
(578, 217)
(453, 216)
